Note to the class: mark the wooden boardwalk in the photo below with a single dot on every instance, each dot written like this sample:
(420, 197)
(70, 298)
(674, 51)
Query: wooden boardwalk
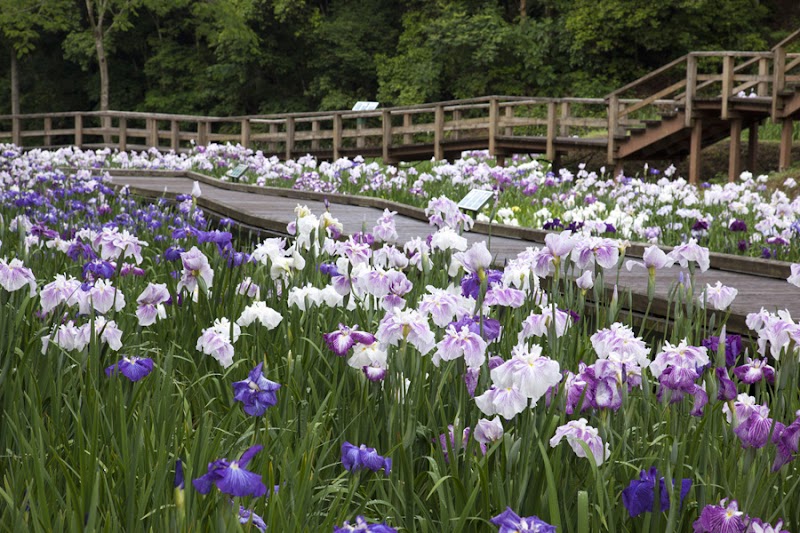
(271, 212)
(694, 101)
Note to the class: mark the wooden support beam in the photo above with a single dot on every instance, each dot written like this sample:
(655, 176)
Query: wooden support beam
(16, 130)
(735, 150)
(79, 131)
(785, 158)
(360, 141)
(175, 135)
(123, 134)
(727, 85)
(778, 79)
(551, 130)
(386, 119)
(691, 85)
(202, 133)
(272, 146)
(456, 120)
(695, 147)
(494, 111)
(438, 133)
(245, 132)
(752, 147)
(337, 135)
(407, 122)
(289, 137)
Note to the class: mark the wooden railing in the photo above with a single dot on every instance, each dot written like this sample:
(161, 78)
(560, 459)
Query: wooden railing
(674, 88)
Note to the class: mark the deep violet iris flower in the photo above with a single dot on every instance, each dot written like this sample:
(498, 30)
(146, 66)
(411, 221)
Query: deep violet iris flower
(231, 477)
(133, 368)
(357, 457)
(639, 496)
(257, 393)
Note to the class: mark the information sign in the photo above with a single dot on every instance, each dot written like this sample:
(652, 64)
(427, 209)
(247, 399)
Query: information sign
(475, 200)
(366, 106)
(237, 171)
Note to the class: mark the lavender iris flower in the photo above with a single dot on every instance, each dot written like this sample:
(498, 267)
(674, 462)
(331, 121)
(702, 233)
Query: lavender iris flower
(133, 368)
(639, 496)
(257, 393)
(510, 522)
(358, 457)
(246, 516)
(231, 477)
(723, 518)
(344, 338)
(727, 389)
(491, 327)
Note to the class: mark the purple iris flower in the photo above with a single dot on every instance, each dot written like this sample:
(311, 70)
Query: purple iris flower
(231, 477)
(344, 338)
(510, 522)
(98, 269)
(787, 442)
(754, 370)
(491, 327)
(743, 245)
(246, 516)
(179, 482)
(553, 224)
(329, 269)
(173, 253)
(471, 283)
(78, 250)
(133, 368)
(639, 496)
(700, 225)
(727, 389)
(737, 225)
(723, 518)
(257, 393)
(362, 525)
(733, 347)
(358, 457)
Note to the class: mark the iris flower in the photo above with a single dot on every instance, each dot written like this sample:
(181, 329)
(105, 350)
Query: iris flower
(231, 477)
(257, 393)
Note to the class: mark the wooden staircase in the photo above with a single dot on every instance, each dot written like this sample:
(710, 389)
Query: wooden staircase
(703, 98)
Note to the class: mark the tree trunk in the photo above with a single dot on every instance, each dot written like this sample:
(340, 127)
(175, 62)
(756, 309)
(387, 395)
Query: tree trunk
(14, 83)
(523, 9)
(102, 63)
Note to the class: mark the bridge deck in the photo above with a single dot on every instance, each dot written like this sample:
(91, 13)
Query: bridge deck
(272, 213)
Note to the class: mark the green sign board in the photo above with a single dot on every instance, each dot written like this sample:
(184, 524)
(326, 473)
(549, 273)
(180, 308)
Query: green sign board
(237, 171)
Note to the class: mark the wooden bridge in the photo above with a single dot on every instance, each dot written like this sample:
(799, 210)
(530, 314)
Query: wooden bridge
(694, 101)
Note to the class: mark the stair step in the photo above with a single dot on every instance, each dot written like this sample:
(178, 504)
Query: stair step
(652, 123)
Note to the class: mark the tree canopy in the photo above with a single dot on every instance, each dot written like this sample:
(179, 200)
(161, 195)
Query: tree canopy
(231, 57)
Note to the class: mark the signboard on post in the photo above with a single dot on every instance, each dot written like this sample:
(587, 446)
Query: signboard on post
(366, 106)
(475, 200)
(237, 172)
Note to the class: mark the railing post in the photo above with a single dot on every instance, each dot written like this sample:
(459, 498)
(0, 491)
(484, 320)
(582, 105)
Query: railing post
(456, 125)
(494, 112)
(386, 120)
(408, 138)
(508, 131)
(752, 147)
(763, 70)
(174, 136)
(79, 130)
(245, 140)
(123, 134)
(727, 84)
(152, 132)
(785, 157)
(735, 150)
(202, 133)
(691, 87)
(778, 79)
(695, 147)
(359, 138)
(315, 135)
(272, 146)
(289, 137)
(613, 119)
(337, 135)
(438, 133)
(551, 130)
(48, 126)
(564, 127)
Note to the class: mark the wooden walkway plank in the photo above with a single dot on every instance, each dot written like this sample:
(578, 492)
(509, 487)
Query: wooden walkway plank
(273, 213)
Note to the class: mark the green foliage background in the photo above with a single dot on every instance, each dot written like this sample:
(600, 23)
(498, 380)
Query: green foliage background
(230, 57)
